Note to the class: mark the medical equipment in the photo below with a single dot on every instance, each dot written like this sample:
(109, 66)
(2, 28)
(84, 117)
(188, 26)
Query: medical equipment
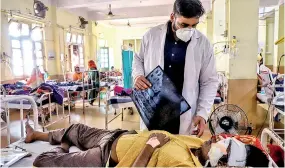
(221, 97)
(229, 119)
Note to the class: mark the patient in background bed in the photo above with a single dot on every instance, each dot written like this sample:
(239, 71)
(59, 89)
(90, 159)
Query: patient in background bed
(77, 76)
(131, 149)
(36, 78)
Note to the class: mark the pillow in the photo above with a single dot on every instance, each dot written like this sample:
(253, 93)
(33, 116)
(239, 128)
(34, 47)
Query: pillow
(246, 139)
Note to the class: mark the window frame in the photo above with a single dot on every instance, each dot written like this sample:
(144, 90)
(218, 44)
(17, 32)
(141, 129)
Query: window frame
(69, 42)
(22, 38)
(103, 57)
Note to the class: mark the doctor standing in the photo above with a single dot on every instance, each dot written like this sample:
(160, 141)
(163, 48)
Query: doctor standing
(186, 56)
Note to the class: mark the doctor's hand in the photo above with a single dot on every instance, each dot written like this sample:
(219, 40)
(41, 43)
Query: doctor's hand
(141, 83)
(200, 123)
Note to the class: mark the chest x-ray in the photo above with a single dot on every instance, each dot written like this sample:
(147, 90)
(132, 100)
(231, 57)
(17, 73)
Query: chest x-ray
(161, 103)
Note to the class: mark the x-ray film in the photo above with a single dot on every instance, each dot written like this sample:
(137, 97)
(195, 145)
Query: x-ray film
(161, 103)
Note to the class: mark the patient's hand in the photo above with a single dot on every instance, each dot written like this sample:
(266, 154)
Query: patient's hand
(157, 140)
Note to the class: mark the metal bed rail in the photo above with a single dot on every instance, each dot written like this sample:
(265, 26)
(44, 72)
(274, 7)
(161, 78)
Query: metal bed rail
(86, 92)
(6, 100)
(265, 135)
(107, 108)
(45, 124)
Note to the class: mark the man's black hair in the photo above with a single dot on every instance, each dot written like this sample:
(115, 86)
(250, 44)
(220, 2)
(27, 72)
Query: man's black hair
(188, 8)
(256, 157)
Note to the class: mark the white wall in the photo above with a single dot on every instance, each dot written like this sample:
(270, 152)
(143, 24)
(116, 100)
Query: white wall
(269, 42)
(262, 37)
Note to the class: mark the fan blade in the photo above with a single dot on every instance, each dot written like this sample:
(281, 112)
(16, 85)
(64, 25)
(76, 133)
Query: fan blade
(233, 131)
(102, 13)
(219, 130)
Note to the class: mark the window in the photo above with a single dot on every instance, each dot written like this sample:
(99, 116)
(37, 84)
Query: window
(27, 48)
(81, 57)
(104, 57)
(68, 37)
(75, 42)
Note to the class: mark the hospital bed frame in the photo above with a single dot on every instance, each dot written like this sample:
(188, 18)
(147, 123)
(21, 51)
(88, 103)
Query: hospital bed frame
(271, 132)
(266, 135)
(6, 100)
(84, 91)
(45, 124)
(121, 106)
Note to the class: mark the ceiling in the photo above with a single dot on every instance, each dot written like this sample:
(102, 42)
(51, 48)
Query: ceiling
(140, 13)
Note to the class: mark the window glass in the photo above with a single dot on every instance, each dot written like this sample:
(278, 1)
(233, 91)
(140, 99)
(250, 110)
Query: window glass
(25, 30)
(17, 62)
(79, 39)
(80, 49)
(28, 69)
(38, 46)
(40, 62)
(41, 68)
(27, 45)
(18, 70)
(39, 54)
(74, 38)
(68, 37)
(81, 55)
(81, 61)
(37, 34)
(17, 54)
(14, 29)
(16, 44)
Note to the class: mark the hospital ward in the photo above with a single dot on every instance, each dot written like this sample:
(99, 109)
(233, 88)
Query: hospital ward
(142, 83)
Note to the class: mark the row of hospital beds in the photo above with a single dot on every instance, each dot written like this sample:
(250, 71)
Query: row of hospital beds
(73, 92)
(38, 147)
(112, 101)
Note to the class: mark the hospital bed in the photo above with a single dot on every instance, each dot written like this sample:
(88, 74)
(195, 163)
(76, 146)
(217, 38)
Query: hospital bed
(117, 103)
(81, 89)
(24, 104)
(38, 147)
(35, 148)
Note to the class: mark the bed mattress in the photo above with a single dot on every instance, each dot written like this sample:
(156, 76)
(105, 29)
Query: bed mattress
(35, 148)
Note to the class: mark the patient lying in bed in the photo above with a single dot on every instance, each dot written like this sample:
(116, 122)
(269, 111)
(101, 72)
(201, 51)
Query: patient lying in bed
(128, 148)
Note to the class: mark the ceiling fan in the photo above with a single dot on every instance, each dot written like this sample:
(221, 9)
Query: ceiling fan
(110, 14)
(40, 9)
(128, 24)
(83, 22)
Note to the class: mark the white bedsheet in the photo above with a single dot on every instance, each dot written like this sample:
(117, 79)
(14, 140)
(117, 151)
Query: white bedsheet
(35, 148)
(15, 105)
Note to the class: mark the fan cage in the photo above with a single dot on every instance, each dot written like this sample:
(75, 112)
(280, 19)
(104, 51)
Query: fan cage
(235, 113)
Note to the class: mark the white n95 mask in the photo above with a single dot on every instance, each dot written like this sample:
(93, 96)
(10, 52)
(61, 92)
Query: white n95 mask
(237, 157)
(184, 34)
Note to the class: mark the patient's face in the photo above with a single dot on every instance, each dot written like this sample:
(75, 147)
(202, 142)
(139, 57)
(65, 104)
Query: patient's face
(77, 70)
(205, 150)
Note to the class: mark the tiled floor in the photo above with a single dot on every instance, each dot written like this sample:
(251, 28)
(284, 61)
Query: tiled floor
(94, 117)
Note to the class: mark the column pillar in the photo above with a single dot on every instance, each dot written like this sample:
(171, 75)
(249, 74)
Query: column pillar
(280, 47)
(242, 22)
(219, 39)
(210, 26)
(52, 45)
